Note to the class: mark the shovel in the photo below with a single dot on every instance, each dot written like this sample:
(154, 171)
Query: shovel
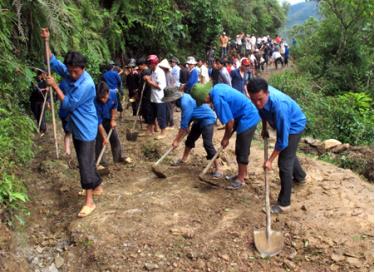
(132, 134)
(155, 168)
(205, 170)
(268, 242)
(103, 170)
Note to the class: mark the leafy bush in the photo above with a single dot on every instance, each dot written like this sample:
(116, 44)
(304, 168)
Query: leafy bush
(348, 117)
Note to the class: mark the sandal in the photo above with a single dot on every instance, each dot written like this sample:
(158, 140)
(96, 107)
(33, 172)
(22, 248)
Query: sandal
(86, 210)
(235, 185)
(178, 162)
(217, 175)
(276, 209)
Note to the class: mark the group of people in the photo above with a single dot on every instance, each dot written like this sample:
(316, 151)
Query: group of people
(160, 86)
(262, 51)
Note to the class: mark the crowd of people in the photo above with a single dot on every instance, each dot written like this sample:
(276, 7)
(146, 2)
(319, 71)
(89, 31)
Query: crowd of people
(202, 92)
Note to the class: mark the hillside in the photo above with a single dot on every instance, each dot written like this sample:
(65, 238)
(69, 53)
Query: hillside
(300, 12)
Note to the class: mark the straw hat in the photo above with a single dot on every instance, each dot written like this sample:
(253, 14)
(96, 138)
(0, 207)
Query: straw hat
(191, 60)
(171, 94)
(165, 64)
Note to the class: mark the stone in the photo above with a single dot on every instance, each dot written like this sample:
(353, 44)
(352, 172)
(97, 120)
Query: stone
(59, 261)
(330, 143)
(354, 261)
(151, 266)
(337, 257)
(225, 257)
(289, 264)
(293, 254)
(39, 249)
(340, 148)
(52, 268)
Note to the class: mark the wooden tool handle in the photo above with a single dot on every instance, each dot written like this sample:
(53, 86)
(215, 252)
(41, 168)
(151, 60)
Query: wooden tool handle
(103, 148)
(211, 161)
(46, 45)
(139, 106)
(267, 192)
(163, 157)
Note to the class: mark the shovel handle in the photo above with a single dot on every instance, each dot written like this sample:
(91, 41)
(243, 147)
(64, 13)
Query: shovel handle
(46, 47)
(139, 106)
(164, 155)
(267, 192)
(103, 148)
(211, 162)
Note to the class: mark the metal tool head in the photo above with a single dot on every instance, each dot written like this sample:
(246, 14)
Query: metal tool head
(158, 171)
(268, 246)
(131, 135)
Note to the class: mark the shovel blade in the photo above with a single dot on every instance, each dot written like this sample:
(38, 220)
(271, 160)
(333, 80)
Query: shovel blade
(158, 172)
(271, 246)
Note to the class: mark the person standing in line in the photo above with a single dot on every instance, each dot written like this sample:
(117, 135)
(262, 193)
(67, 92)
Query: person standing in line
(224, 40)
(283, 114)
(193, 75)
(79, 102)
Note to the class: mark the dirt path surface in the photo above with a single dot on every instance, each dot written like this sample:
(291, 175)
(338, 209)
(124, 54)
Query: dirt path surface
(143, 223)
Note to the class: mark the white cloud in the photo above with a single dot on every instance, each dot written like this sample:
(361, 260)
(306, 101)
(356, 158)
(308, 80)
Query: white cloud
(292, 2)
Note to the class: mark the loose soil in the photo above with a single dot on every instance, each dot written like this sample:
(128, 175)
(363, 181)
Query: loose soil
(143, 223)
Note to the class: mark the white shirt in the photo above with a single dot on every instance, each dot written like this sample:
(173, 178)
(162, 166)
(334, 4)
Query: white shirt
(158, 76)
(248, 43)
(204, 73)
(276, 55)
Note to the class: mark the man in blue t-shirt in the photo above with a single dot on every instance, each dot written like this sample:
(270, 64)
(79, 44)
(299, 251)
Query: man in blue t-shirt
(203, 119)
(238, 114)
(78, 101)
(283, 114)
(106, 109)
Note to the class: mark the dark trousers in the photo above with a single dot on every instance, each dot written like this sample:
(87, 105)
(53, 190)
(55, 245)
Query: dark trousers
(224, 51)
(36, 108)
(86, 160)
(119, 104)
(279, 60)
(289, 169)
(160, 113)
(207, 135)
(243, 144)
(113, 140)
(170, 110)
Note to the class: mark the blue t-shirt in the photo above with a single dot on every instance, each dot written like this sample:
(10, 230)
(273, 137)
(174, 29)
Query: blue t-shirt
(193, 78)
(239, 82)
(230, 104)
(104, 111)
(284, 115)
(190, 112)
(78, 102)
(113, 80)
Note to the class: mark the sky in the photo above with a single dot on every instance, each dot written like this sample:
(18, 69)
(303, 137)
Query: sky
(292, 2)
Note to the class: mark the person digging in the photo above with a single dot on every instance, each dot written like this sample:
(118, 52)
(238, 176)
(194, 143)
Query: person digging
(285, 115)
(203, 120)
(238, 114)
(106, 104)
(78, 100)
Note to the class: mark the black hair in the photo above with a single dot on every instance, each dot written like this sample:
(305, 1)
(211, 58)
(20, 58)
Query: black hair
(256, 85)
(102, 90)
(221, 61)
(141, 61)
(75, 59)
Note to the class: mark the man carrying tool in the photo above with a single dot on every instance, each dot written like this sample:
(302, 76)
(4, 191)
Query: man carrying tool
(37, 97)
(203, 119)
(114, 81)
(79, 102)
(238, 114)
(283, 114)
(106, 109)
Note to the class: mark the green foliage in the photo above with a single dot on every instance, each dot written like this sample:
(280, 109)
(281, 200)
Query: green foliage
(348, 117)
(338, 50)
(13, 196)
(259, 17)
